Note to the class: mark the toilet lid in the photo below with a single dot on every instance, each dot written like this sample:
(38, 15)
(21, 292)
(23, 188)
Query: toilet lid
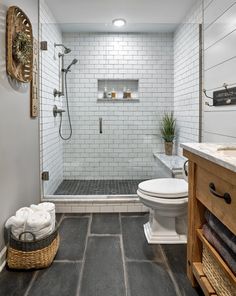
(165, 188)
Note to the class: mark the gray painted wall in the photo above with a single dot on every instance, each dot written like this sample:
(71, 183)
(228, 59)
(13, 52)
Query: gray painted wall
(19, 134)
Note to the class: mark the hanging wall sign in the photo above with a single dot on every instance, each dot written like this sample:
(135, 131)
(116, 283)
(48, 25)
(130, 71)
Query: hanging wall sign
(34, 94)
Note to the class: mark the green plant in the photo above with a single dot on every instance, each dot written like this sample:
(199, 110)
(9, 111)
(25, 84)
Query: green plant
(168, 127)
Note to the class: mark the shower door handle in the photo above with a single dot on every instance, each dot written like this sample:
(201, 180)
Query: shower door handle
(100, 125)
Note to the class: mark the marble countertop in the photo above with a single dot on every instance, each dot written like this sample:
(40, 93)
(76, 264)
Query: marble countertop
(223, 154)
(172, 162)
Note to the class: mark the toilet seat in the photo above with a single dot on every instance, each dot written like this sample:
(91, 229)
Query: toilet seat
(164, 188)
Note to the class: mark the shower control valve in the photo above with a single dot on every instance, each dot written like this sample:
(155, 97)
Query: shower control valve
(56, 111)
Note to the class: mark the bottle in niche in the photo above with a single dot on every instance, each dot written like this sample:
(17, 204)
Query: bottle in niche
(113, 94)
(105, 96)
(127, 94)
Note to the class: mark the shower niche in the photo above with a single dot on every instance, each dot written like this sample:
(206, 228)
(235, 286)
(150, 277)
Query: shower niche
(118, 90)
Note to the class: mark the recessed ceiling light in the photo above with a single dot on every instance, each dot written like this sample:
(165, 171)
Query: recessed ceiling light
(119, 22)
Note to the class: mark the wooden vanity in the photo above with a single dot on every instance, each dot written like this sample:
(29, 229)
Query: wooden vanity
(204, 170)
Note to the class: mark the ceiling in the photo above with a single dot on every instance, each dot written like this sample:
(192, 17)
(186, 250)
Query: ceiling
(141, 15)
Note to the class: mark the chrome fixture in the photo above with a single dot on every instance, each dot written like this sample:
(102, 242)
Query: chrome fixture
(66, 49)
(100, 125)
(71, 64)
(60, 111)
(56, 111)
(119, 22)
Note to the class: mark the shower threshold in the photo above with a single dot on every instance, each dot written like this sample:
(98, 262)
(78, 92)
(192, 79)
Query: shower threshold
(98, 188)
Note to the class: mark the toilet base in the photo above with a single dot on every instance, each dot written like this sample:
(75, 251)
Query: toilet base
(162, 230)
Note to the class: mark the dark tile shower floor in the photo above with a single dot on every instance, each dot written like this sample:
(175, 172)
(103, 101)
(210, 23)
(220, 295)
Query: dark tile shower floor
(97, 187)
(105, 255)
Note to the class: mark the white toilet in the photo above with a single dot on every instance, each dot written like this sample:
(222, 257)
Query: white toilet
(167, 198)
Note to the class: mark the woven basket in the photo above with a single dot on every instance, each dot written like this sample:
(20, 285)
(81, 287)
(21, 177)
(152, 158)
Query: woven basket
(33, 254)
(218, 279)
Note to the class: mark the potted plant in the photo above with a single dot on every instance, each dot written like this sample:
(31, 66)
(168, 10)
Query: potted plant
(168, 129)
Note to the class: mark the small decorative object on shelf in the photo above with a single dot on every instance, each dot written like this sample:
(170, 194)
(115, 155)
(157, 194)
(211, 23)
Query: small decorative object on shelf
(113, 94)
(19, 45)
(127, 94)
(168, 132)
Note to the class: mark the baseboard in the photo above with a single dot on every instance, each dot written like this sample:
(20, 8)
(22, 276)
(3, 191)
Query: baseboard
(3, 254)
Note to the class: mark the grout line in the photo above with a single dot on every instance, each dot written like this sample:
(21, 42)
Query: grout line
(104, 234)
(67, 261)
(142, 261)
(31, 283)
(123, 259)
(165, 261)
(84, 255)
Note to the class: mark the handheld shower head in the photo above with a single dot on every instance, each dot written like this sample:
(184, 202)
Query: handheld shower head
(71, 64)
(66, 49)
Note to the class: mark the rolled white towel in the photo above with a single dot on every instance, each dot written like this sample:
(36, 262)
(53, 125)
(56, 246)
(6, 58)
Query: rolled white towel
(24, 212)
(17, 223)
(46, 206)
(38, 220)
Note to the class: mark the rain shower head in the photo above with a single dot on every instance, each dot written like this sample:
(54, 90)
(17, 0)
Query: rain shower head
(66, 49)
(71, 64)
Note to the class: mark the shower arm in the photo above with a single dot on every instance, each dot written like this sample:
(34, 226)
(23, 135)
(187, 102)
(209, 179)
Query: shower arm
(62, 92)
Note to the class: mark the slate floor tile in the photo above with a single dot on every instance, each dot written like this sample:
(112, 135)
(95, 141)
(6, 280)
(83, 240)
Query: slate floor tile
(103, 270)
(105, 224)
(14, 282)
(60, 279)
(176, 257)
(73, 233)
(149, 279)
(135, 243)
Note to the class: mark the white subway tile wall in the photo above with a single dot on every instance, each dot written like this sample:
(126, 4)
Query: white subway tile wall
(186, 76)
(51, 145)
(130, 130)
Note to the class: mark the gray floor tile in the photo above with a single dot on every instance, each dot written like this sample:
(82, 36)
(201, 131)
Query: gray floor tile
(105, 224)
(176, 257)
(14, 282)
(149, 279)
(73, 233)
(103, 271)
(135, 243)
(60, 279)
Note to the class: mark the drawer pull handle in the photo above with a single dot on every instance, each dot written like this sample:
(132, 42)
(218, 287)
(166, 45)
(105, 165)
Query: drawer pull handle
(226, 196)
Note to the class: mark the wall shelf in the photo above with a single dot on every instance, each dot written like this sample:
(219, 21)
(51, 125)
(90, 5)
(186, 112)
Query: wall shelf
(119, 85)
(118, 100)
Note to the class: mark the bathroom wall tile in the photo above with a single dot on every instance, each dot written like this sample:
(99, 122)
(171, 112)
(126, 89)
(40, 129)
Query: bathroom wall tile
(72, 238)
(103, 270)
(186, 76)
(50, 144)
(130, 130)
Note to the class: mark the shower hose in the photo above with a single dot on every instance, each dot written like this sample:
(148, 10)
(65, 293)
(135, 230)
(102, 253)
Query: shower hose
(68, 112)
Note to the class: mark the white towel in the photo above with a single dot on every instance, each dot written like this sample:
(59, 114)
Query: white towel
(26, 219)
(46, 206)
(40, 224)
(17, 223)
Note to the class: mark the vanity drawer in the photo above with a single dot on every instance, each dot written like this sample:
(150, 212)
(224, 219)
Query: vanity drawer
(226, 212)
